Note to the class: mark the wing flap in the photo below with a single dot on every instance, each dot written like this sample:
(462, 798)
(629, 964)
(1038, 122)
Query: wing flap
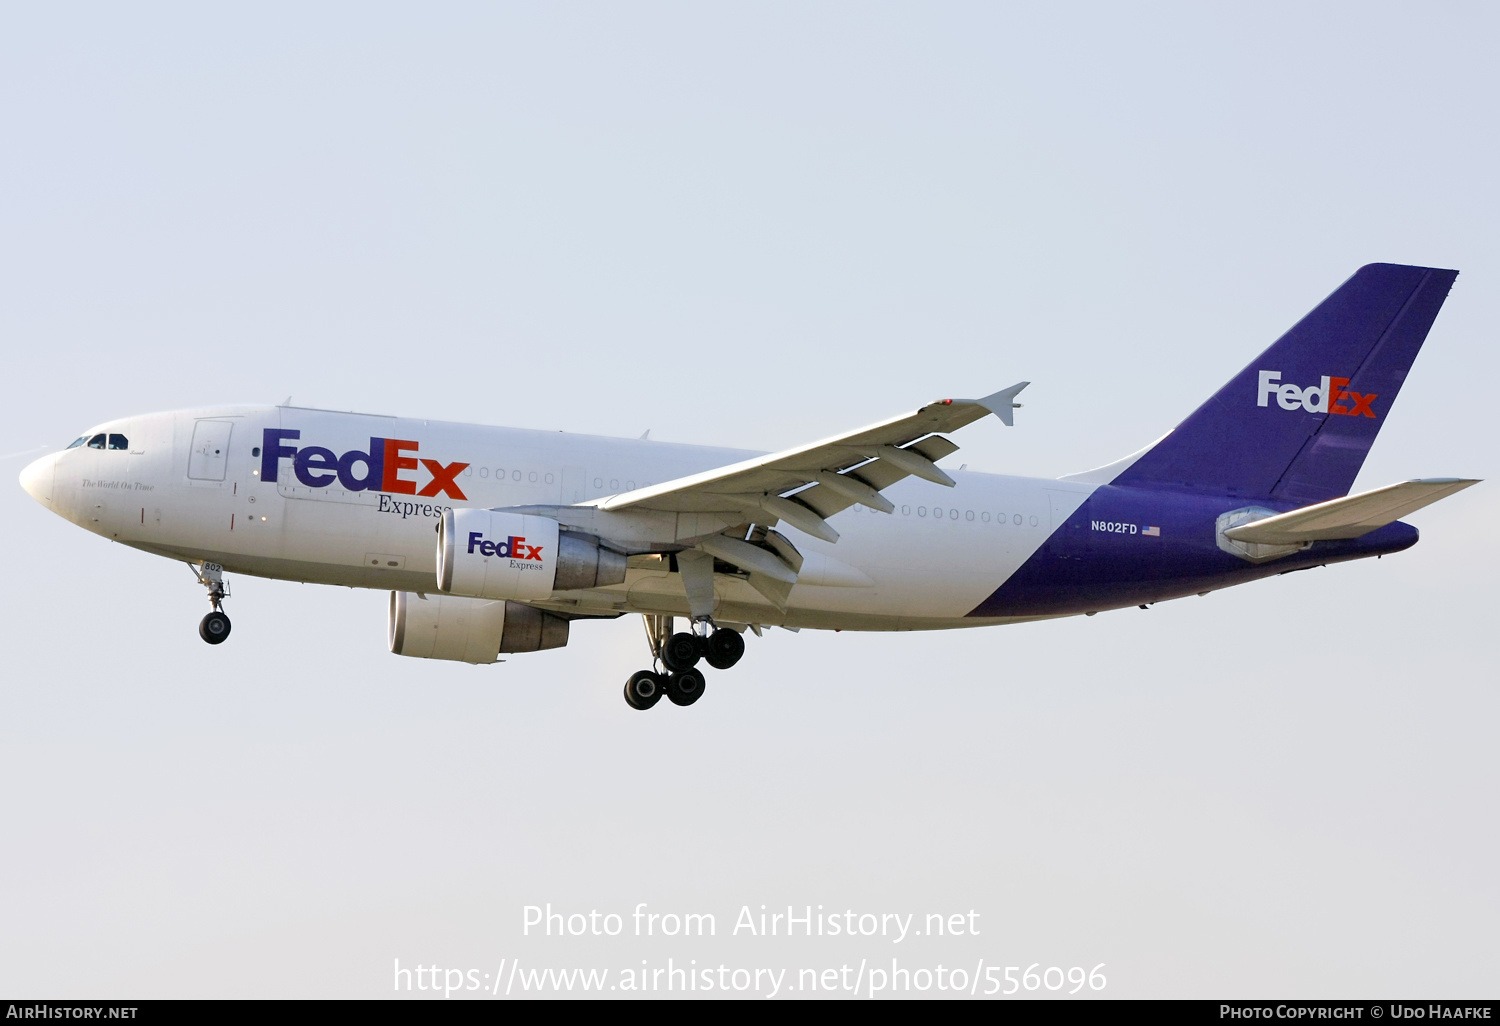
(802, 487)
(1350, 516)
(878, 456)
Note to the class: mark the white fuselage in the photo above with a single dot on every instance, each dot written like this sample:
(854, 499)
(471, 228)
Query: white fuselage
(190, 486)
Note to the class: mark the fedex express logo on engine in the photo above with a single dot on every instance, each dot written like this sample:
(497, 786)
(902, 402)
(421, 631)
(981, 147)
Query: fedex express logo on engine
(378, 470)
(514, 547)
(1329, 396)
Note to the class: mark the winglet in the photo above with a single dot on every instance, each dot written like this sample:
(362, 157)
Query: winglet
(1003, 402)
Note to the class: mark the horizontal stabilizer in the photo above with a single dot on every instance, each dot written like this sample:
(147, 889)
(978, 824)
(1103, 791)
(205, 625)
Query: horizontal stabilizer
(1350, 516)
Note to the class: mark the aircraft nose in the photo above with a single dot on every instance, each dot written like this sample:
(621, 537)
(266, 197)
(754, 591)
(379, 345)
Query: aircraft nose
(37, 478)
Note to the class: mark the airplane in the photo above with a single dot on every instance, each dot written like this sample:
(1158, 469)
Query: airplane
(494, 541)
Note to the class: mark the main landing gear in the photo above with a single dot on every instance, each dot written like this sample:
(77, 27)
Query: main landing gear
(678, 655)
(214, 627)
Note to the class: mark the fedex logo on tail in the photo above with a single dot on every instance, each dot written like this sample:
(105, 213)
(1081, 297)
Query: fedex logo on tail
(378, 470)
(1328, 396)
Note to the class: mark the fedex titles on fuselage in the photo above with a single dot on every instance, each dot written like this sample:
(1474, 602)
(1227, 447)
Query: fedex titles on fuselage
(379, 469)
(1329, 396)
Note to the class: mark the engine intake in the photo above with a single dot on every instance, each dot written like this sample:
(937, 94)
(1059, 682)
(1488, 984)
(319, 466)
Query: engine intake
(492, 554)
(469, 630)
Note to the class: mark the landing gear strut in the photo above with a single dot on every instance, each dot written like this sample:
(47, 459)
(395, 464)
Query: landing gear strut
(214, 627)
(678, 654)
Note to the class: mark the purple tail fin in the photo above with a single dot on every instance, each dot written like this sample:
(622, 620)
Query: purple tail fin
(1297, 423)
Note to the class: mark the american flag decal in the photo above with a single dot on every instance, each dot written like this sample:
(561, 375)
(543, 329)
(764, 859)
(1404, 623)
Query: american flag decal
(1151, 532)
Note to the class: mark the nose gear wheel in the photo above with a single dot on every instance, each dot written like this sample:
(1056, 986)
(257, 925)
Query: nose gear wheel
(214, 628)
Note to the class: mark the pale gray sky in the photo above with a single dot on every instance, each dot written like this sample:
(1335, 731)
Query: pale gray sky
(747, 227)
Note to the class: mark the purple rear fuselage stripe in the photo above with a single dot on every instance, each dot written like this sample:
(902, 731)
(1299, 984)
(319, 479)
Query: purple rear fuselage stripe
(1080, 569)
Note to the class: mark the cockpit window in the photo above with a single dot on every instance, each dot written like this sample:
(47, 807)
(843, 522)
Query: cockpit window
(102, 441)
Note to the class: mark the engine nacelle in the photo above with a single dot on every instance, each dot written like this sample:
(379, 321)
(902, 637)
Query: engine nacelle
(469, 630)
(492, 554)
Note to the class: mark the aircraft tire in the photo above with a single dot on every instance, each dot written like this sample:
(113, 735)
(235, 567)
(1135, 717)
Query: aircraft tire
(214, 628)
(724, 648)
(686, 687)
(643, 689)
(681, 652)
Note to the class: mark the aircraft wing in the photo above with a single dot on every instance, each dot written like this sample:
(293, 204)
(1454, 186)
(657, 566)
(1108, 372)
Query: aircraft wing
(1350, 516)
(806, 485)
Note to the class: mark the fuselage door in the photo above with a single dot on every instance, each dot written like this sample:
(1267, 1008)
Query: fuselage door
(210, 453)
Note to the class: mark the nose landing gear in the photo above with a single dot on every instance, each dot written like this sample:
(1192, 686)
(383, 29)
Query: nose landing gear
(678, 654)
(214, 627)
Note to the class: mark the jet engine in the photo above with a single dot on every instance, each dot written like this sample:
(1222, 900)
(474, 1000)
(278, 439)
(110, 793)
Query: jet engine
(493, 554)
(469, 630)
